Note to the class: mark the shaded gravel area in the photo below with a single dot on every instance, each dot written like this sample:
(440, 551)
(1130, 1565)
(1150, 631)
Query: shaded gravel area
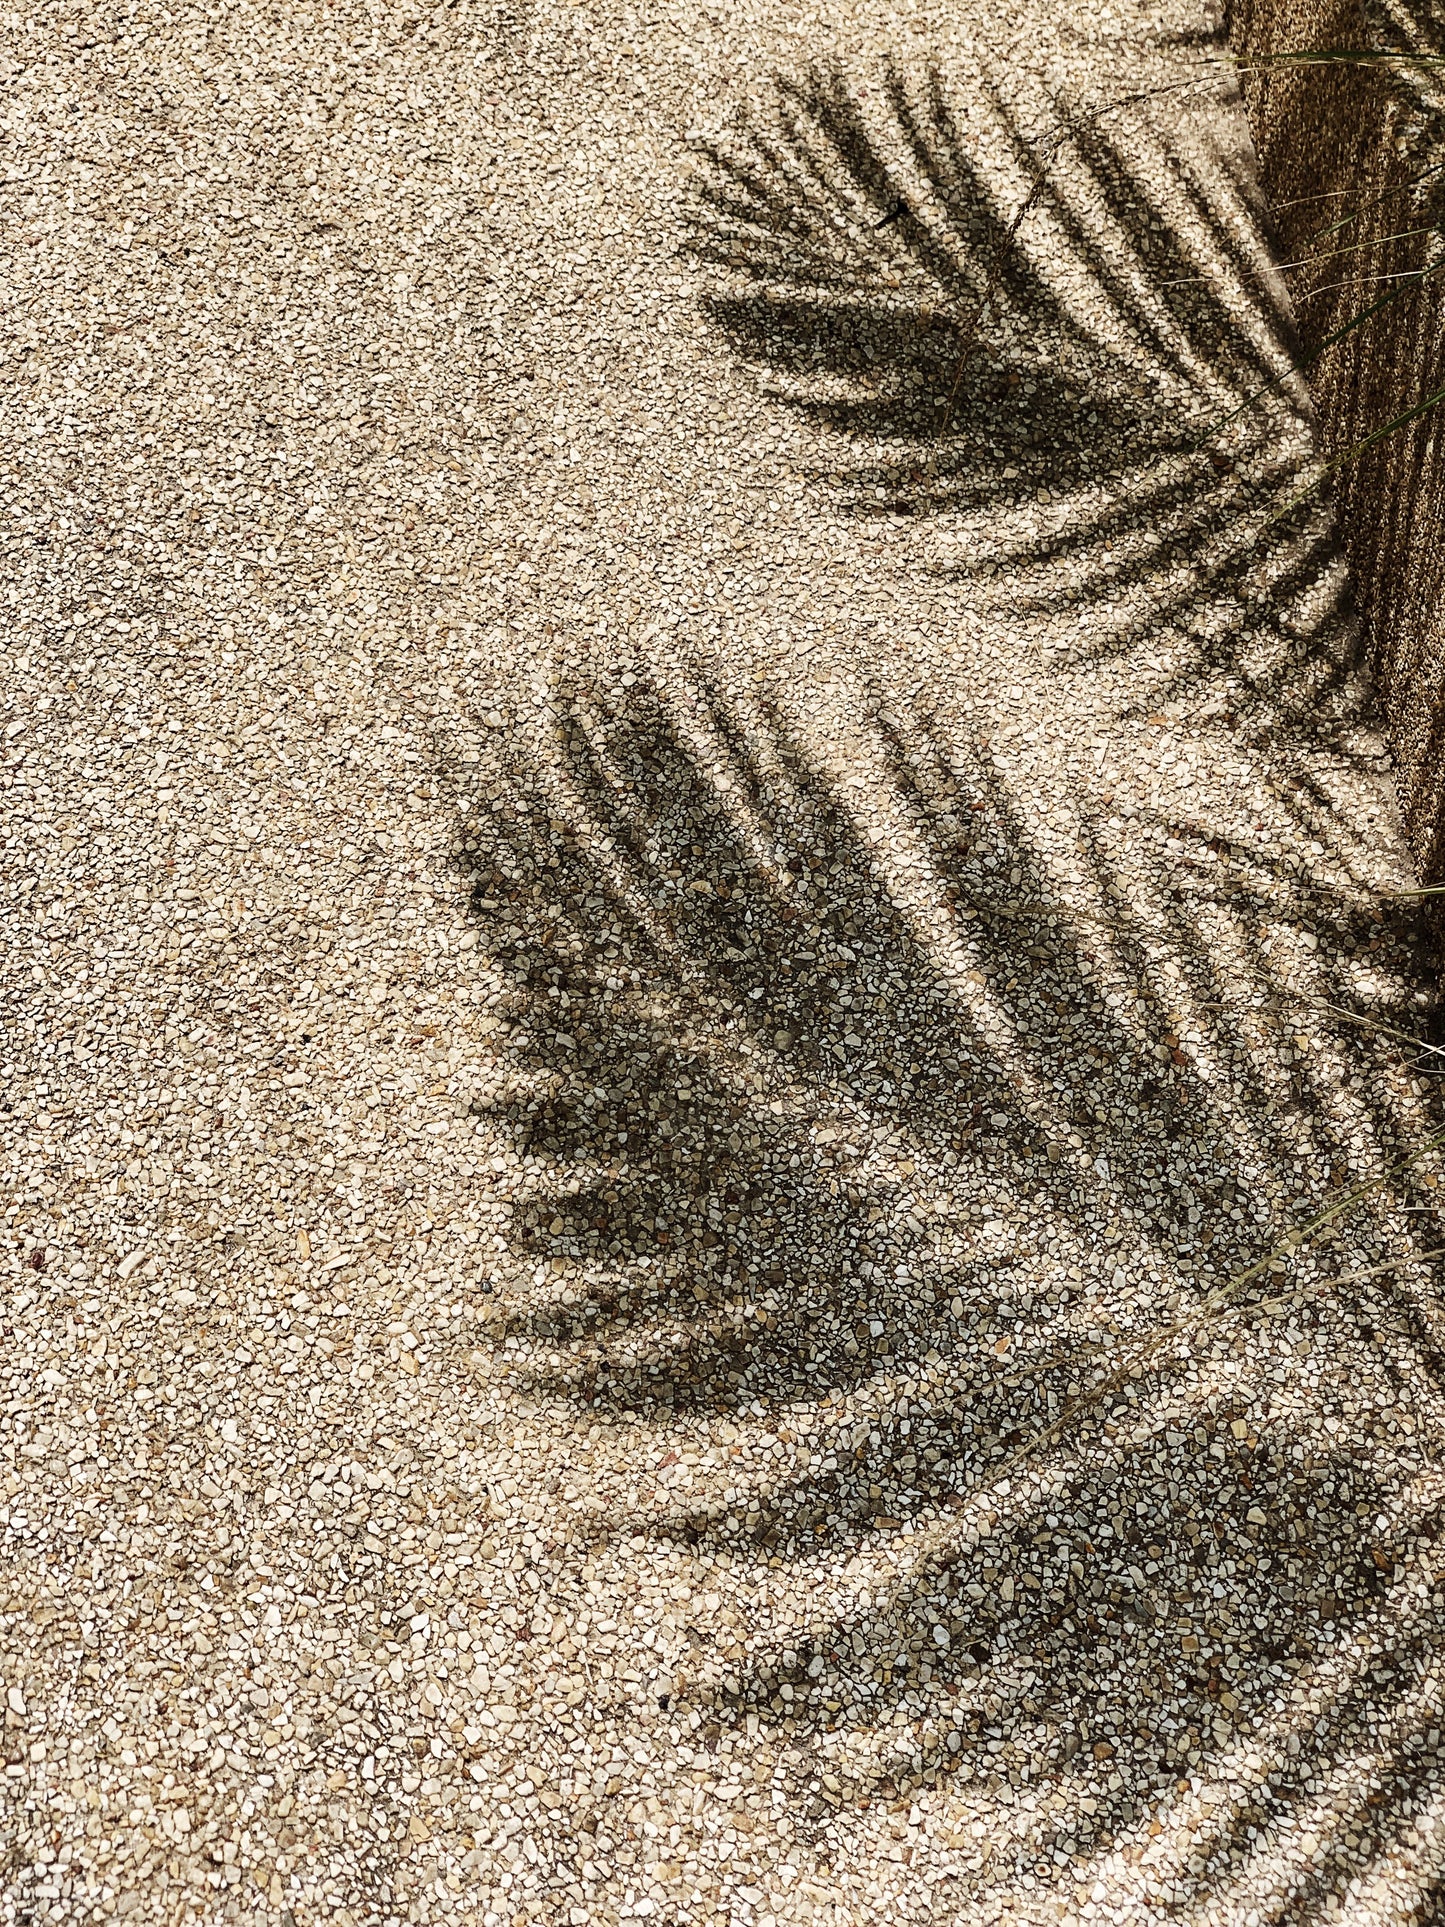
(717, 1137)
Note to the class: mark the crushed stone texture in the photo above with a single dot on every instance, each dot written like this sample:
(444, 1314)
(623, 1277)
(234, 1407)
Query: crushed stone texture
(716, 1149)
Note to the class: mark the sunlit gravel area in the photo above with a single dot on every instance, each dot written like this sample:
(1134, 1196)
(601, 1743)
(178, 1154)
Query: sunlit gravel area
(716, 1129)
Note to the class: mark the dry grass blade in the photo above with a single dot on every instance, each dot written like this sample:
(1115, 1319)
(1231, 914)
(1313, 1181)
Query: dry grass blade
(1360, 209)
(1356, 247)
(1214, 1305)
(1321, 1285)
(1306, 362)
(1310, 260)
(1391, 427)
(1355, 281)
(1339, 57)
(1385, 1030)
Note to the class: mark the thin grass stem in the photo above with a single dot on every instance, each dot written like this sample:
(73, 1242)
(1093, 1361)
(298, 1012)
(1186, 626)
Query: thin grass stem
(1309, 260)
(1402, 420)
(1340, 57)
(1355, 247)
(1331, 340)
(1328, 1284)
(1385, 1030)
(1359, 281)
(1224, 1296)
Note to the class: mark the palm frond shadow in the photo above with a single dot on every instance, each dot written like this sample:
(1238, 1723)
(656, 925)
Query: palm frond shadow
(651, 1102)
(1117, 324)
(864, 258)
(740, 1145)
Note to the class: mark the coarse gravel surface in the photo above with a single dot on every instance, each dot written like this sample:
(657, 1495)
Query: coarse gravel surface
(716, 1116)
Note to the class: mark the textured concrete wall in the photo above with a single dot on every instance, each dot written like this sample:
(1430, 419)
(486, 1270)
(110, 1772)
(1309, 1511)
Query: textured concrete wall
(1334, 142)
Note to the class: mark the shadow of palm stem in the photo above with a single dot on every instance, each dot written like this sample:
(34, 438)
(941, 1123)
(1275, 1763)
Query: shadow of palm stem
(833, 1135)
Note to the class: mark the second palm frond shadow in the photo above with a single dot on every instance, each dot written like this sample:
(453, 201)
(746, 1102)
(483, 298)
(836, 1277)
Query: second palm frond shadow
(778, 993)
(748, 1075)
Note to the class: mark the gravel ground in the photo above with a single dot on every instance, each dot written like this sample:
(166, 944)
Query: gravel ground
(717, 1187)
